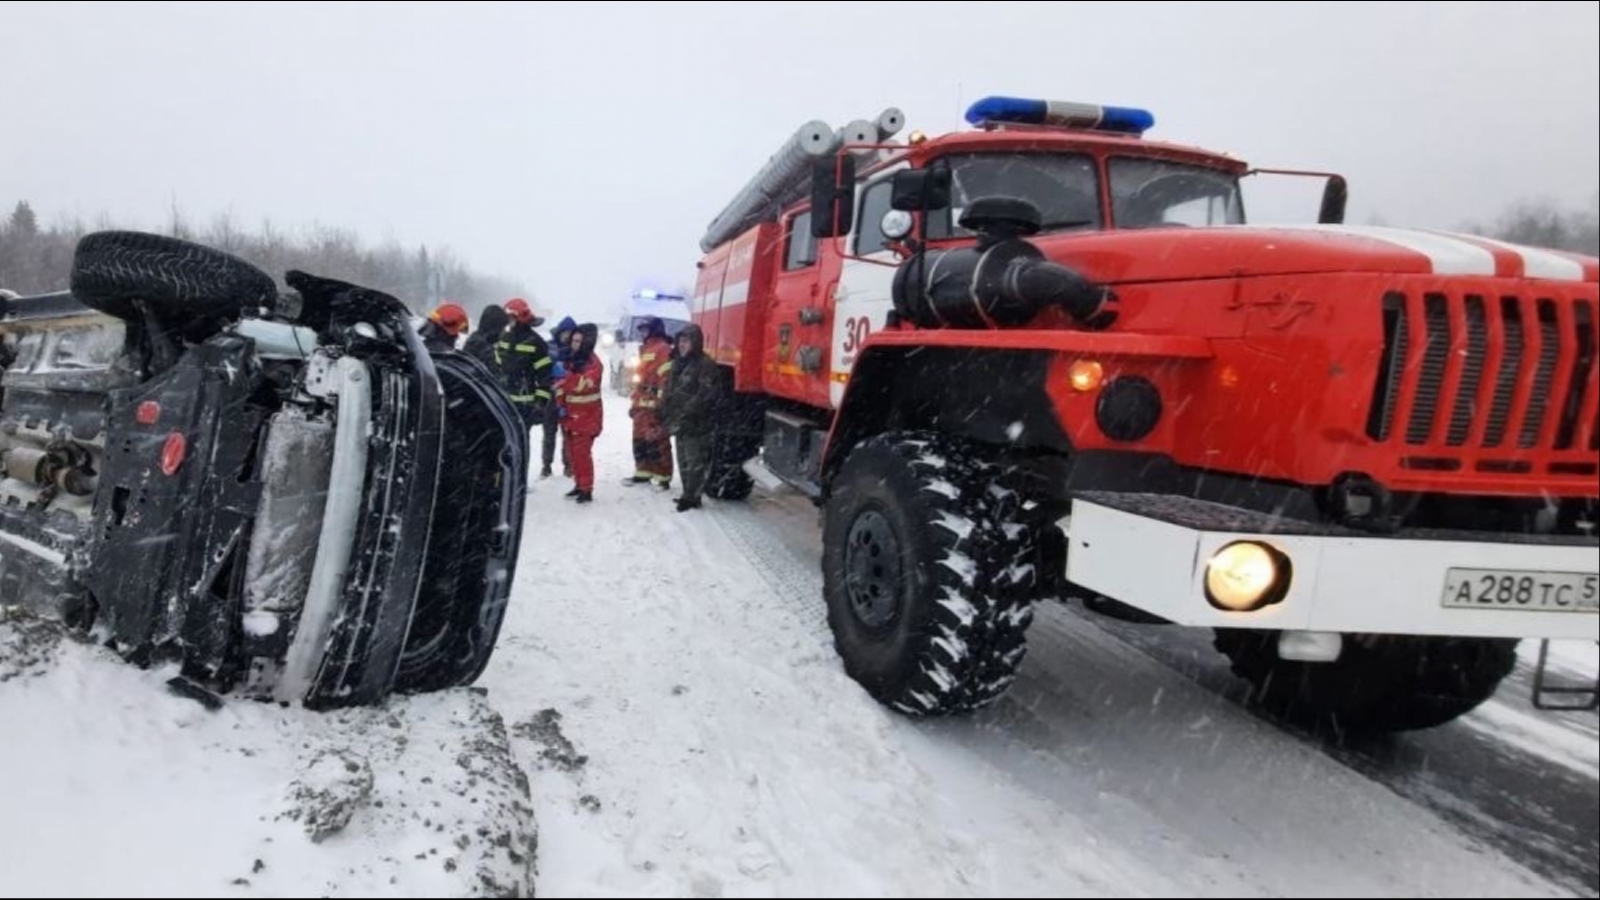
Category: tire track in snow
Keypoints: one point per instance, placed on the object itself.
(1085, 706)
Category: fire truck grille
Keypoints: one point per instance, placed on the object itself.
(1466, 373)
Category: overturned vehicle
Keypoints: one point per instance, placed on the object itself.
(285, 493)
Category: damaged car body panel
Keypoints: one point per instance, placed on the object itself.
(286, 494)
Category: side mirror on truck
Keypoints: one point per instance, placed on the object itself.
(833, 196)
(921, 190)
(1334, 197)
(1330, 208)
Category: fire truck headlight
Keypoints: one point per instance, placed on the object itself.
(608, 340)
(897, 224)
(1247, 576)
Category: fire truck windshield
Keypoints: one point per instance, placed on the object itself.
(1145, 193)
(1155, 193)
(1065, 188)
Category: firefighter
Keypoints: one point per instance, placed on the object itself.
(481, 343)
(561, 349)
(581, 411)
(443, 327)
(525, 363)
(652, 446)
(688, 410)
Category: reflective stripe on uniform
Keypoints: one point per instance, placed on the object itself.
(584, 398)
(520, 348)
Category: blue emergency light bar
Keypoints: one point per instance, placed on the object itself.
(1119, 119)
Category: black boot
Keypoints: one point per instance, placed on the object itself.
(585, 497)
(685, 504)
(574, 494)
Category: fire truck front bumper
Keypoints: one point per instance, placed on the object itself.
(1202, 564)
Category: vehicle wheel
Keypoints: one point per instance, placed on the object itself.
(116, 271)
(1015, 581)
(728, 479)
(737, 440)
(928, 597)
(1381, 682)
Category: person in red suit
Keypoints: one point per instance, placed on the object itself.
(652, 445)
(582, 414)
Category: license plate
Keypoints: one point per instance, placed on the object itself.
(1509, 589)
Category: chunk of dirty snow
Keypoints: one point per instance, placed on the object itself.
(329, 793)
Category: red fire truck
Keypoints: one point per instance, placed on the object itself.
(1049, 358)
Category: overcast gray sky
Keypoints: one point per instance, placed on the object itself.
(584, 147)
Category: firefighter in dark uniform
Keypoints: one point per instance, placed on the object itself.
(525, 363)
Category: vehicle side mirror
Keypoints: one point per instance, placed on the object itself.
(920, 190)
(1334, 198)
(833, 196)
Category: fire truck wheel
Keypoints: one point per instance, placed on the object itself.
(1381, 683)
(929, 598)
(116, 271)
(1015, 583)
(728, 480)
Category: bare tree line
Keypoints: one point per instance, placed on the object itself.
(1543, 223)
(35, 258)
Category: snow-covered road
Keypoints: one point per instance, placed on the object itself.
(669, 685)
(727, 753)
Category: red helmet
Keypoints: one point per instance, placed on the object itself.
(521, 312)
(452, 318)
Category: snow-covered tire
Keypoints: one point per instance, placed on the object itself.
(1381, 683)
(926, 600)
(1011, 573)
(115, 271)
